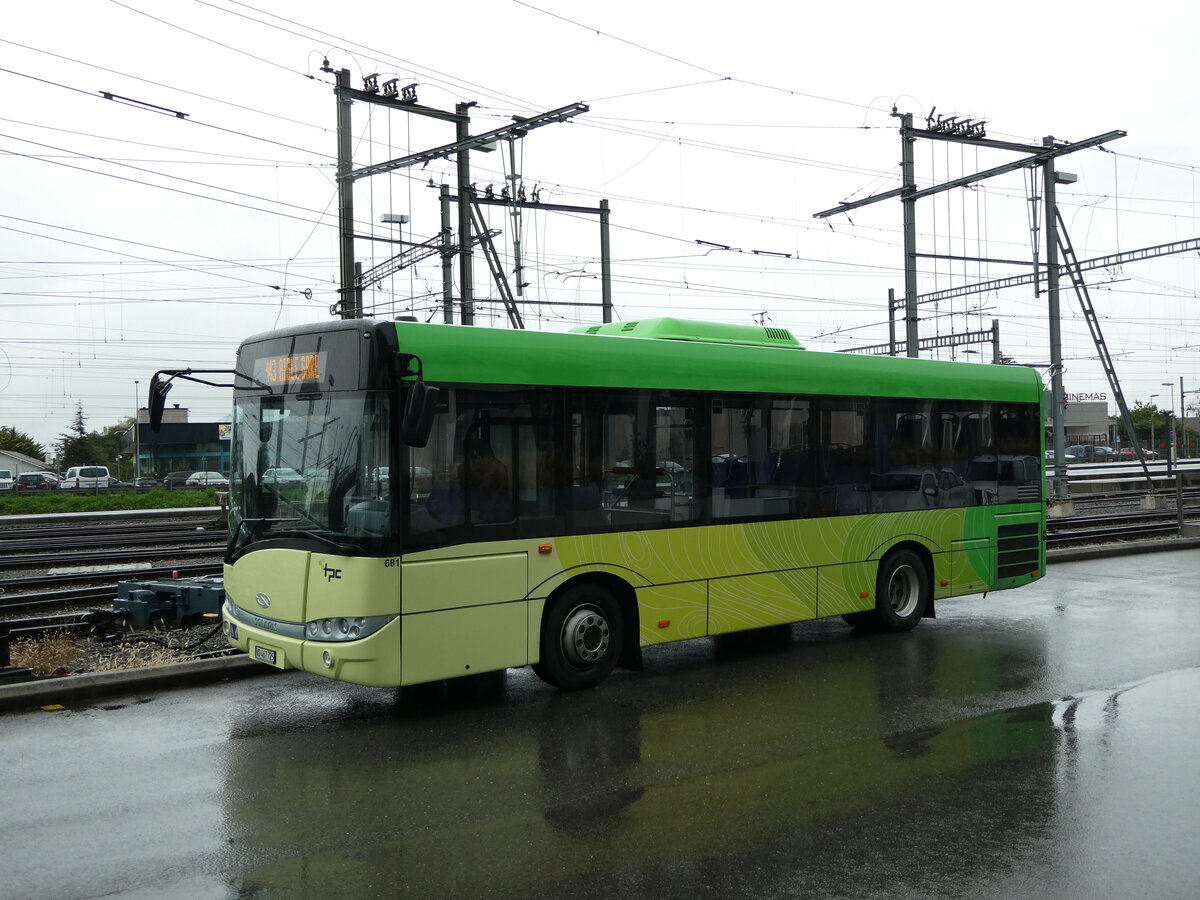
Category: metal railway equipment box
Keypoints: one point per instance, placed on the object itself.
(171, 601)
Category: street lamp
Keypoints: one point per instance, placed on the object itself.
(1153, 416)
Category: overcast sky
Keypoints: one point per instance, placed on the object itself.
(161, 229)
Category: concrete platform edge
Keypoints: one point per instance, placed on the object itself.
(1127, 548)
(94, 685)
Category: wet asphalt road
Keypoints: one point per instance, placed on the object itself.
(1040, 742)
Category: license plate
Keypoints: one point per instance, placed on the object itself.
(233, 631)
(262, 654)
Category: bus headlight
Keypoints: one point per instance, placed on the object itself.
(344, 628)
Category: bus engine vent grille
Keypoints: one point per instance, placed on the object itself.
(779, 334)
(1029, 493)
(1017, 550)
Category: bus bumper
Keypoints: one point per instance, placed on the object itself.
(373, 661)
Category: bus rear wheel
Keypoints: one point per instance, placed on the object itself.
(901, 594)
(582, 638)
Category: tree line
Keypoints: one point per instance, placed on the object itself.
(1149, 420)
(77, 446)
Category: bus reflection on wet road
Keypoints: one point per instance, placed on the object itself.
(1036, 741)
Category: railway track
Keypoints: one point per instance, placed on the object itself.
(60, 565)
(73, 538)
(1084, 536)
(47, 593)
(1098, 529)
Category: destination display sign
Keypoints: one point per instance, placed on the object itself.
(299, 367)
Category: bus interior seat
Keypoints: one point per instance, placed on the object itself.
(445, 504)
(767, 467)
(720, 471)
(738, 484)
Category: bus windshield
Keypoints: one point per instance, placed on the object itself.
(310, 467)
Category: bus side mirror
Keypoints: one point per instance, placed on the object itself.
(419, 407)
(157, 401)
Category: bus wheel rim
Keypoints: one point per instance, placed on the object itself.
(585, 636)
(904, 591)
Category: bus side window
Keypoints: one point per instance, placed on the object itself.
(844, 455)
(486, 482)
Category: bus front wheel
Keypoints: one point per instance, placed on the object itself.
(582, 638)
(901, 594)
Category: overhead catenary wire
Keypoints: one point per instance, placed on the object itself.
(859, 233)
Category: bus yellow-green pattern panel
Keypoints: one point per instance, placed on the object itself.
(465, 641)
(969, 567)
(673, 612)
(673, 555)
(846, 588)
(756, 601)
(464, 581)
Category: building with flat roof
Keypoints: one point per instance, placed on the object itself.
(178, 444)
(1087, 420)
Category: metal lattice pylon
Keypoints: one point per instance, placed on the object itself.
(1075, 272)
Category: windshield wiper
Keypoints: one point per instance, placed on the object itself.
(334, 544)
(339, 546)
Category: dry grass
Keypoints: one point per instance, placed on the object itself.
(78, 655)
(135, 656)
(47, 653)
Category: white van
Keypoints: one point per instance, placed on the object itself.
(84, 477)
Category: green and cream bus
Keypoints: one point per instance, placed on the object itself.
(464, 500)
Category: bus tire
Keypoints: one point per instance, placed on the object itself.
(901, 595)
(582, 637)
(901, 591)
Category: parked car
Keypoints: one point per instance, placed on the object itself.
(85, 478)
(6, 479)
(207, 479)
(1078, 451)
(40, 481)
(177, 479)
(281, 476)
(1128, 453)
(118, 483)
(1088, 453)
(146, 481)
(1068, 456)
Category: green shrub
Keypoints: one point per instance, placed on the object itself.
(17, 503)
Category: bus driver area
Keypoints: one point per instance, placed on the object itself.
(572, 498)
